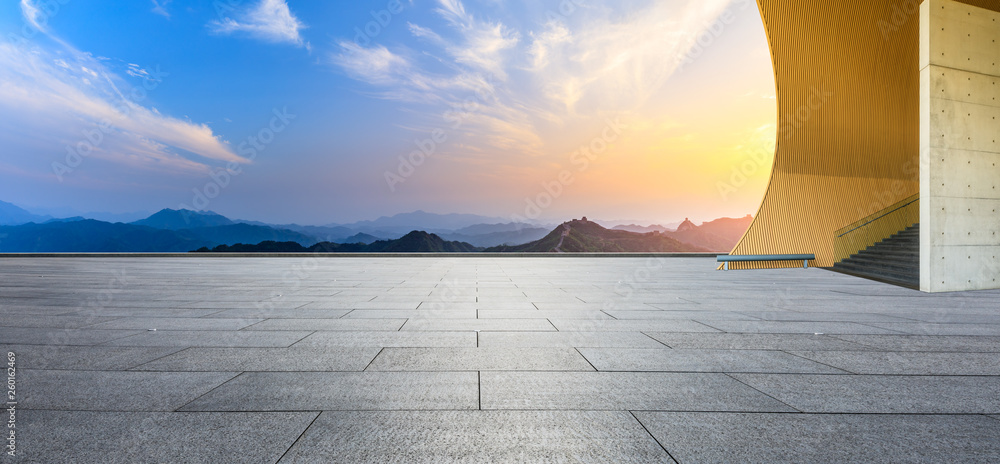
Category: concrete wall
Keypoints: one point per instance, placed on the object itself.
(959, 147)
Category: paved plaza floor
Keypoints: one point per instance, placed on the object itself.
(549, 359)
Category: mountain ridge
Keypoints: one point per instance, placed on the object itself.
(583, 236)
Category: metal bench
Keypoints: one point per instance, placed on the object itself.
(726, 259)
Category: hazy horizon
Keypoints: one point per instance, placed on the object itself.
(62, 213)
(313, 113)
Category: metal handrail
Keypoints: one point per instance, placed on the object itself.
(878, 215)
(876, 227)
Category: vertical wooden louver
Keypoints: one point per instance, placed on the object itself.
(847, 81)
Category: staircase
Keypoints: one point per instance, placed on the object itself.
(895, 260)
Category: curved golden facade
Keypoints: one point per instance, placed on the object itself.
(848, 95)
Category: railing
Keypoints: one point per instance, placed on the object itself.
(875, 227)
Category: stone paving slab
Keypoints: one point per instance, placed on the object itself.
(327, 324)
(476, 437)
(568, 339)
(278, 313)
(946, 316)
(923, 328)
(263, 360)
(211, 338)
(621, 391)
(574, 304)
(108, 358)
(176, 323)
(671, 360)
(531, 325)
(128, 311)
(504, 304)
(907, 362)
(329, 391)
(681, 314)
(480, 359)
(114, 390)
(52, 322)
(792, 327)
(823, 316)
(881, 394)
(841, 438)
(739, 341)
(413, 339)
(52, 337)
(544, 314)
(952, 343)
(411, 314)
(133, 437)
(668, 325)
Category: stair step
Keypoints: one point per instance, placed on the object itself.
(864, 271)
(876, 258)
(895, 259)
(886, 267)
(876, 263)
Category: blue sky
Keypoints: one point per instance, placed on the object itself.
(318, 112)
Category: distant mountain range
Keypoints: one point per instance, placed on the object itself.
(416, 241)
(583, 236)
(718, 235)
(11, 214)
(422, 220)
(181, 231)
(643, 229)
(576, 236)
(170, 219)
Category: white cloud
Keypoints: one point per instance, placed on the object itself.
(74, 99)
(454, 12)
(425, 33)
(269, 20)
(376, 64)
(526, 80)
(160, 7)
(32, 14)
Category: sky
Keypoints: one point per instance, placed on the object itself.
(331, 112)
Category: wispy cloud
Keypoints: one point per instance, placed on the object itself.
(376, 64)
(73, 97)
(160, 7)
(530, 78)
(32, 14)
(425, 33)
(269, 20)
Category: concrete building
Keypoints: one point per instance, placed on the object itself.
(887, 125)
